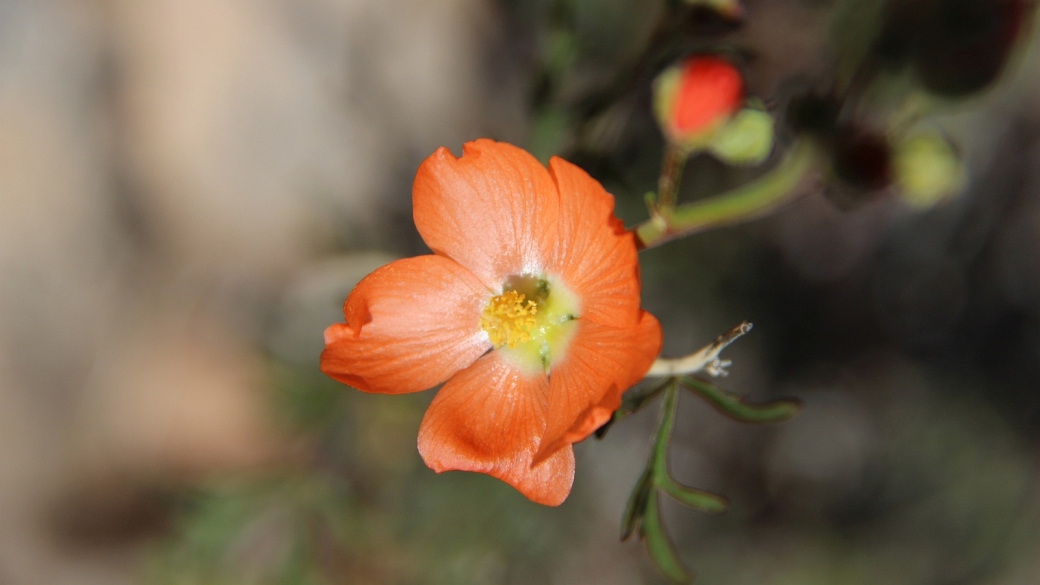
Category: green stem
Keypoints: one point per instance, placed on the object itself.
(747, 202)
(671, 175)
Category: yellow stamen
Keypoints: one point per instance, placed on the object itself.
(508, 320)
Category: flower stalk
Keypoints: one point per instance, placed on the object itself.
(771, 191)
(672, 166)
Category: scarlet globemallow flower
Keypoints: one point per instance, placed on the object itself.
(528, 313)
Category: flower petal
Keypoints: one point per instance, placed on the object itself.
(593, 254)
(410, 325)
(709, 90)
(489, 419)
(585, 389)
(494, 210)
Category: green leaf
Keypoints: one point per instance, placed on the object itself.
(692, 497)
(636, 507)
(659, 456)
(659, 546)
(734, 406)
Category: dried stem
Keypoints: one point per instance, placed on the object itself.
(704, 360)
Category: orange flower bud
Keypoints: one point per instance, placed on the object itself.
(694, 98)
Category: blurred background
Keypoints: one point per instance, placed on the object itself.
(189, 189)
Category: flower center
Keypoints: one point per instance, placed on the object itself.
(508, 320)
(531, 322)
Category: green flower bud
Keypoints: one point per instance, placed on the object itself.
(927, 170)
(747, 139)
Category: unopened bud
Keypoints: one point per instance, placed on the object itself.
(927, 170)
(694, 99)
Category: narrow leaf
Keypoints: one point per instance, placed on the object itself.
(659, 456)
(659, 546)
(734, 406)
(693, 497)
(636, 507)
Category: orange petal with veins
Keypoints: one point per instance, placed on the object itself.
(410, 325)
(593, 254)
(489, 418)
(585, 388)
(494, 210)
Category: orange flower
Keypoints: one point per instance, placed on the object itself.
(696, 97)
(528, 313)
